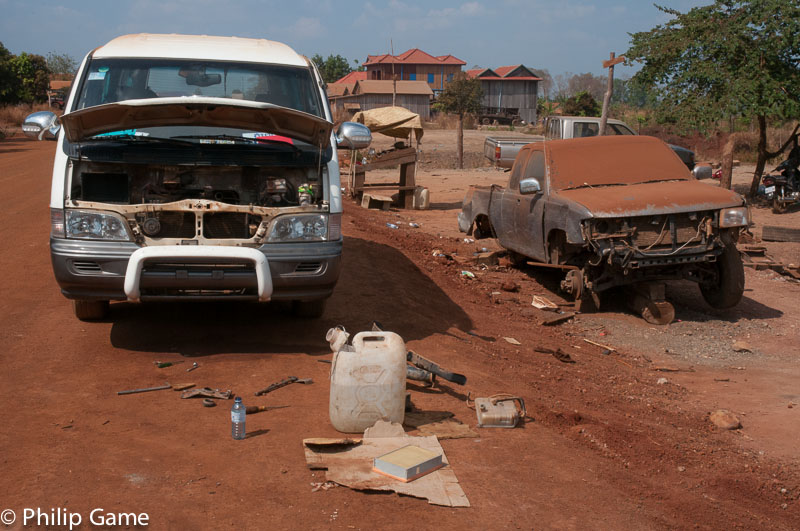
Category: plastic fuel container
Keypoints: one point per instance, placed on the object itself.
(368, 383)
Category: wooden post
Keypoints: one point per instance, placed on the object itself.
(612, 60)
(727, 163)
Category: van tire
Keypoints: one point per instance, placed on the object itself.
(729, 287)
(309, 309)
(90, 310)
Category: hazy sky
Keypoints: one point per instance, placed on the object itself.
(560, 35)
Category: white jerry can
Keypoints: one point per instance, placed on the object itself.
(368, 383)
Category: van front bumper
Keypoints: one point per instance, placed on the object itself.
(94, 270)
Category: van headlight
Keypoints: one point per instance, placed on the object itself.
(93, 225)
(734, 217)
(299, 228)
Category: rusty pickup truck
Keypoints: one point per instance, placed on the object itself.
(615, 211)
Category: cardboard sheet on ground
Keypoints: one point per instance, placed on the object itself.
(439, 423)
(397, 122)
(350, 464)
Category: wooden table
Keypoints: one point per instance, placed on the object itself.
(406, 158)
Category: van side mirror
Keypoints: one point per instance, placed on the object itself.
(41, 125)
(352, 135)
(529, 186)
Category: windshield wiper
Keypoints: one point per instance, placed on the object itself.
(233, 138)
(138, 138)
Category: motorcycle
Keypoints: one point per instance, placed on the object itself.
(784, 189)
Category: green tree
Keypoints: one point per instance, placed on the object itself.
(730, 58)
(332, 68)
(461, 96)
(8, 80)
(582, 104)
(61, 63)
(32, 75)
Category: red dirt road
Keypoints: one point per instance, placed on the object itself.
(607, 448)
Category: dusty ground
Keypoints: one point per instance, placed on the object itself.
(607, 447)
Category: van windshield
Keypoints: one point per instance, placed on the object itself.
(115, 80)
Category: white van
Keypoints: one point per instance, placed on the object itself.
(196, 167)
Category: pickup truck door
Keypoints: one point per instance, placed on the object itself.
(509, 203)
(529, 214)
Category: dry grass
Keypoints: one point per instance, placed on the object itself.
(450, 121)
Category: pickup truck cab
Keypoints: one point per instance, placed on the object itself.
(195, 167)
(614, 211)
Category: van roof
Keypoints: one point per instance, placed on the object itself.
(200, 47)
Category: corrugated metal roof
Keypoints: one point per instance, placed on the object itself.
(502, 73)
(339, 89)
(373, 86)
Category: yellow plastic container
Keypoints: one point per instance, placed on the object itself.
(368, 383)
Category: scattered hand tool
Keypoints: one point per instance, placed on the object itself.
(284, 383)
(144, 390)
(207, 392)
(193, 367)
(258, 409)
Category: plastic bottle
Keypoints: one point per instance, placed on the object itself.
(238, 419)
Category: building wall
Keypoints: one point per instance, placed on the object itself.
(418, 103)
(441, 73)
(511, 95)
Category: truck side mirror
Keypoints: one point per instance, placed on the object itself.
(41, 125)
(352, 135)
(529, 186)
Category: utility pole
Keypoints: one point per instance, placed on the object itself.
(612, 60)
(394, 77)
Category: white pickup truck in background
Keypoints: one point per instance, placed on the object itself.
(503, 151)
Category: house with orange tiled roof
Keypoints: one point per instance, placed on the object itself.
(351, 78)
(509, 93)
(414, 65)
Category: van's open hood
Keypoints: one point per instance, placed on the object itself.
(197, 111)
(648, 199)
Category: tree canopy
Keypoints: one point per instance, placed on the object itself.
(582, 104)
(332, 68)
(61, 63)
(730, 58)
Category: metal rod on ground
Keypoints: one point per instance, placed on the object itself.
(144, 390)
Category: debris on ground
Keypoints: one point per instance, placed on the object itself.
(662, 381)
(350, 465)
(512, 341)
(207, 392)
(500, 411)
(144, 390)
(559, 318)
(741, 346)
(725, 420)
(543, 303)
(558, 354)
(283, 383)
